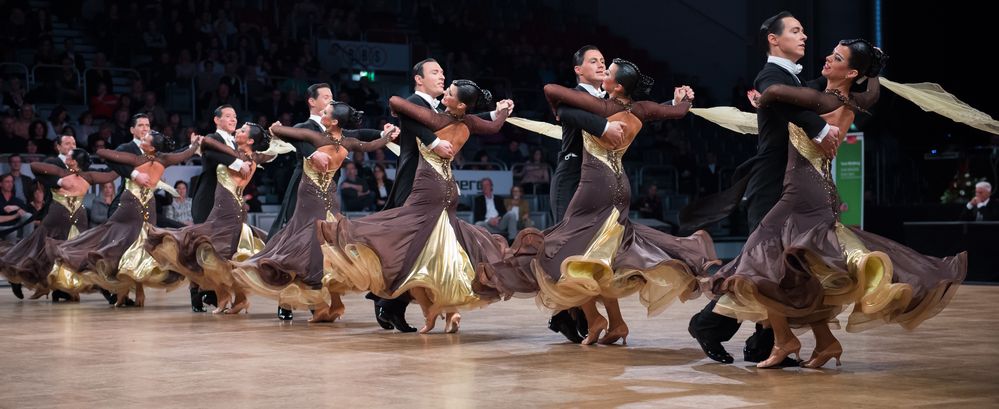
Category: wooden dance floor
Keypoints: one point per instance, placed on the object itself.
(88, 355)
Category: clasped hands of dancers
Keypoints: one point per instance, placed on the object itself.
(799, 268)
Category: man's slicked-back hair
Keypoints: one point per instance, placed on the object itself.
(418, 68)
(774, 25)
(577, 58)
(313, 90)
(132, 121)
(218, 111)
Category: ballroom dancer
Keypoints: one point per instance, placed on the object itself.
(595, 252)
(202, 252)
(590, 70)
(318, 97)
(290, 267)
(802, 267)
(760, 178)
(112, 255)
(205, 185)
(428, 80)
(422, 247)
(30, 261)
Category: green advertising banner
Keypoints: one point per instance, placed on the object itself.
(848, 172)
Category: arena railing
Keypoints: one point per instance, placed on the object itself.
(59, 67)
(112, 70)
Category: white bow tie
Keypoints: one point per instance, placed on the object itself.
(601, 94)
(434, 103)
(797, 69)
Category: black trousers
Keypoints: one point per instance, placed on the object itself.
(715, 327)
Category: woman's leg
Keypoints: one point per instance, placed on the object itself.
(826, 346)
(597, 322)
(242, 303)
(618, 328)
(429, 312)
(785, 343)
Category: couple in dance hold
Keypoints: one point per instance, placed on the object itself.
(800, 267)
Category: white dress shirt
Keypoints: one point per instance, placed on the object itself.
(491, 211)
(230, 140)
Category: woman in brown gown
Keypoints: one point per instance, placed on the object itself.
(802, 267)
(202, 252)
(290, 269)
(595, 253)
(112, 256)
(422, 247)
(30, 261)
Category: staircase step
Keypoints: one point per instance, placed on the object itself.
(58, 34)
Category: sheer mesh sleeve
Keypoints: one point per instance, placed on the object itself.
(98, 178)
(557, 95)
(651, 111)
(808, 98)
(477, 125)
(300, 134)
(214, 145)
(425, 116)
(48, 169)
(865, 100)
(170, 159)
(124, 158)
(357, 145)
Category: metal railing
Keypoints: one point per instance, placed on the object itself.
(23, 68)
(79, 78)
(496, 165)
(112, 70)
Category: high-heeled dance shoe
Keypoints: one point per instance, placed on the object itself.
(614, 334)
(284, 314)
(593, 333)
(819, 358)
(781, 352)
(39, 294)
(453, 322)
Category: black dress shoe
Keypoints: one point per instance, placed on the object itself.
(582, 327)
(16, 288)
(397, 319)
(112, 299)
(381, 319)
(285, 314)
(712, 349)
(60, 295)
(197, 302)
(210, 298)
(563, 323)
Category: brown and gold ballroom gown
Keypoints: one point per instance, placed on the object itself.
(113, 255)
(595, 250)
(806, 265)
(30, 261)
(202, 252)
(422, 243)
(289, 268)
